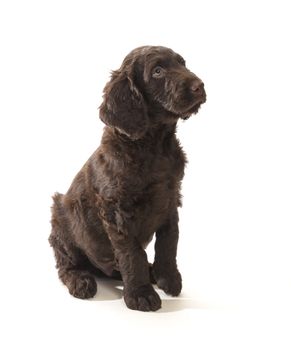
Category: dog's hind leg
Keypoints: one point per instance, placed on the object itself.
(73, 266)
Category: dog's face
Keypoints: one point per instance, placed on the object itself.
(164, 78)
(152, 81)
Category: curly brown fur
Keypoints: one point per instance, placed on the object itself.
(129, 189)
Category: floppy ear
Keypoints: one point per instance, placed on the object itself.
(123, 106)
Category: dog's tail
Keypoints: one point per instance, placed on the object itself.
(57, 214)
(57, 198)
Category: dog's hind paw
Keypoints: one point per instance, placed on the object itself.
(81, 284)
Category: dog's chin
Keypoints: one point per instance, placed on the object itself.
(192, 110)
(184, 113)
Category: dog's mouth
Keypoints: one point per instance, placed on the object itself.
(194, 107)
(185, 106)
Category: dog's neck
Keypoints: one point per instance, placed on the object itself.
(161, 130)
(157, 133)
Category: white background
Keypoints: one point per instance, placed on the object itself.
(234, 249)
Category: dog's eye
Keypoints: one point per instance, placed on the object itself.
(157, 71)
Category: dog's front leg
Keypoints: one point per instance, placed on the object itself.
(165, 269)
(139, 294)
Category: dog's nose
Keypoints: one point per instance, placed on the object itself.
(197, 86)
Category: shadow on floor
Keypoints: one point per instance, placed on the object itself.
(180, 303)
(110, 289)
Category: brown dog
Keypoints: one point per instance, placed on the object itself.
(129, 188)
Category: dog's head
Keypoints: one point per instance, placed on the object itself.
(152, 86)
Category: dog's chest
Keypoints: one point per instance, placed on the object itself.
(162, 164)
(160, 177)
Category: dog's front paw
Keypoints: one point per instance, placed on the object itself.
(143, 298)
(170, 282)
